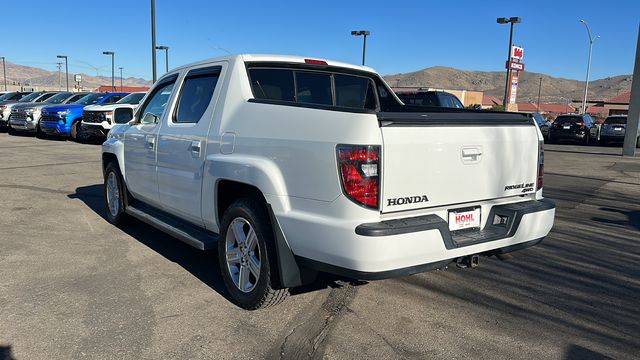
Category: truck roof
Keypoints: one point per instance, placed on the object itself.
(277, 58)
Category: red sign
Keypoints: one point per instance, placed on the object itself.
(514, 65)
(517, 52)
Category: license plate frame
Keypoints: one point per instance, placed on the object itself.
(474, 225)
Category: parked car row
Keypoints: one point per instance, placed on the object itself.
(583, 129)
(74, 115)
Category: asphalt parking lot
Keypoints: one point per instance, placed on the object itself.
(74, 287)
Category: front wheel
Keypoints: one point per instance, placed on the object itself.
(246, 255)
(114, 194)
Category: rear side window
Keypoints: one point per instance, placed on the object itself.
(272, 84)
(196, 93)
(617, 120)
(567, 119)
(313, 87)
(355, 92)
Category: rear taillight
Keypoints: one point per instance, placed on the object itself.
(359, 167)
(582, 125)
(540, 164)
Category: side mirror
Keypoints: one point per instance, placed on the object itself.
(149, 118)
(122, 116)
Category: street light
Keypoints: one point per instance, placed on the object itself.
(113, 69)
(511, 20)
(153, 39)
(4, 70)
(121, 87)
(586, 84)
(66, 67)
(363, 33)
(166, 55)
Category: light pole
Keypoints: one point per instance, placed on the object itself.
(121, 87)
(166, 56)
(113, 68)
(586, 84)
(364, 34)
(4, 71)
(66, 67)
(153, 39)
(59, 64)
(511, 20)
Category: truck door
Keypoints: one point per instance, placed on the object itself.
(182, 143)
(141, 141)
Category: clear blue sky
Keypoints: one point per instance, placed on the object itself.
(406, 35)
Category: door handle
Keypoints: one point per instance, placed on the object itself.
(151, 142)
(471, 154)
(195, 148)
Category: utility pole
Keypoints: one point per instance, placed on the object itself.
(121, 87)
(539, 90)
(59, 64)
(153, 39)
(586, 84)
(631, 133)
(4, 71)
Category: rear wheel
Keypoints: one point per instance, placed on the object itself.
(246, 255)
(638, 142)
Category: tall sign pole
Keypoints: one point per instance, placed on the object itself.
(632, 134)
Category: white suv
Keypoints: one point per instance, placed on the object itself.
(97, 120)
(290, 166)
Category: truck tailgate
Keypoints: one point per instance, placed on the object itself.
(438, 159)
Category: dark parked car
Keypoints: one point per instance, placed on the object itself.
(543, 124)
(430, 98)
(613, 129)
(574, 127)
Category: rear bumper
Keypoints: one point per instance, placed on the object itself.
(568, 136)
(612, 138)
(410, 245)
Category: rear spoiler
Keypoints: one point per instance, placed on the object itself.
(416, 116)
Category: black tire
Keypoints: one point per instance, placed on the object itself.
(586, 139)
(266, 291)
(74, 130)
(638, 142)
(119, 216)
(39, 133)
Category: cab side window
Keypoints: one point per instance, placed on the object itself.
(151, 111)
(195, 96)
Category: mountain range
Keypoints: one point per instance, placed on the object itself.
(553, 90)
(48, 80)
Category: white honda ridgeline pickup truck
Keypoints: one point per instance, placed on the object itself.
(292, 166)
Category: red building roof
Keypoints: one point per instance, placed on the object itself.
(546, 108)
(489, 100)
(597, 110)
(622, 98)
(130, 89)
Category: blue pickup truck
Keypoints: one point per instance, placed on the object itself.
(64, 120)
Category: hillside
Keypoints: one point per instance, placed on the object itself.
(492, 83)
(48, 80)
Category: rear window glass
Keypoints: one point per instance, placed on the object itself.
(272, 84)
(567, 119)
(423, 99)
(313, 88)
(616, 120)
(354, 92)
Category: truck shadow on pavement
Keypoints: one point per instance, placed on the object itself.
(201, 264)
(5, 353)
